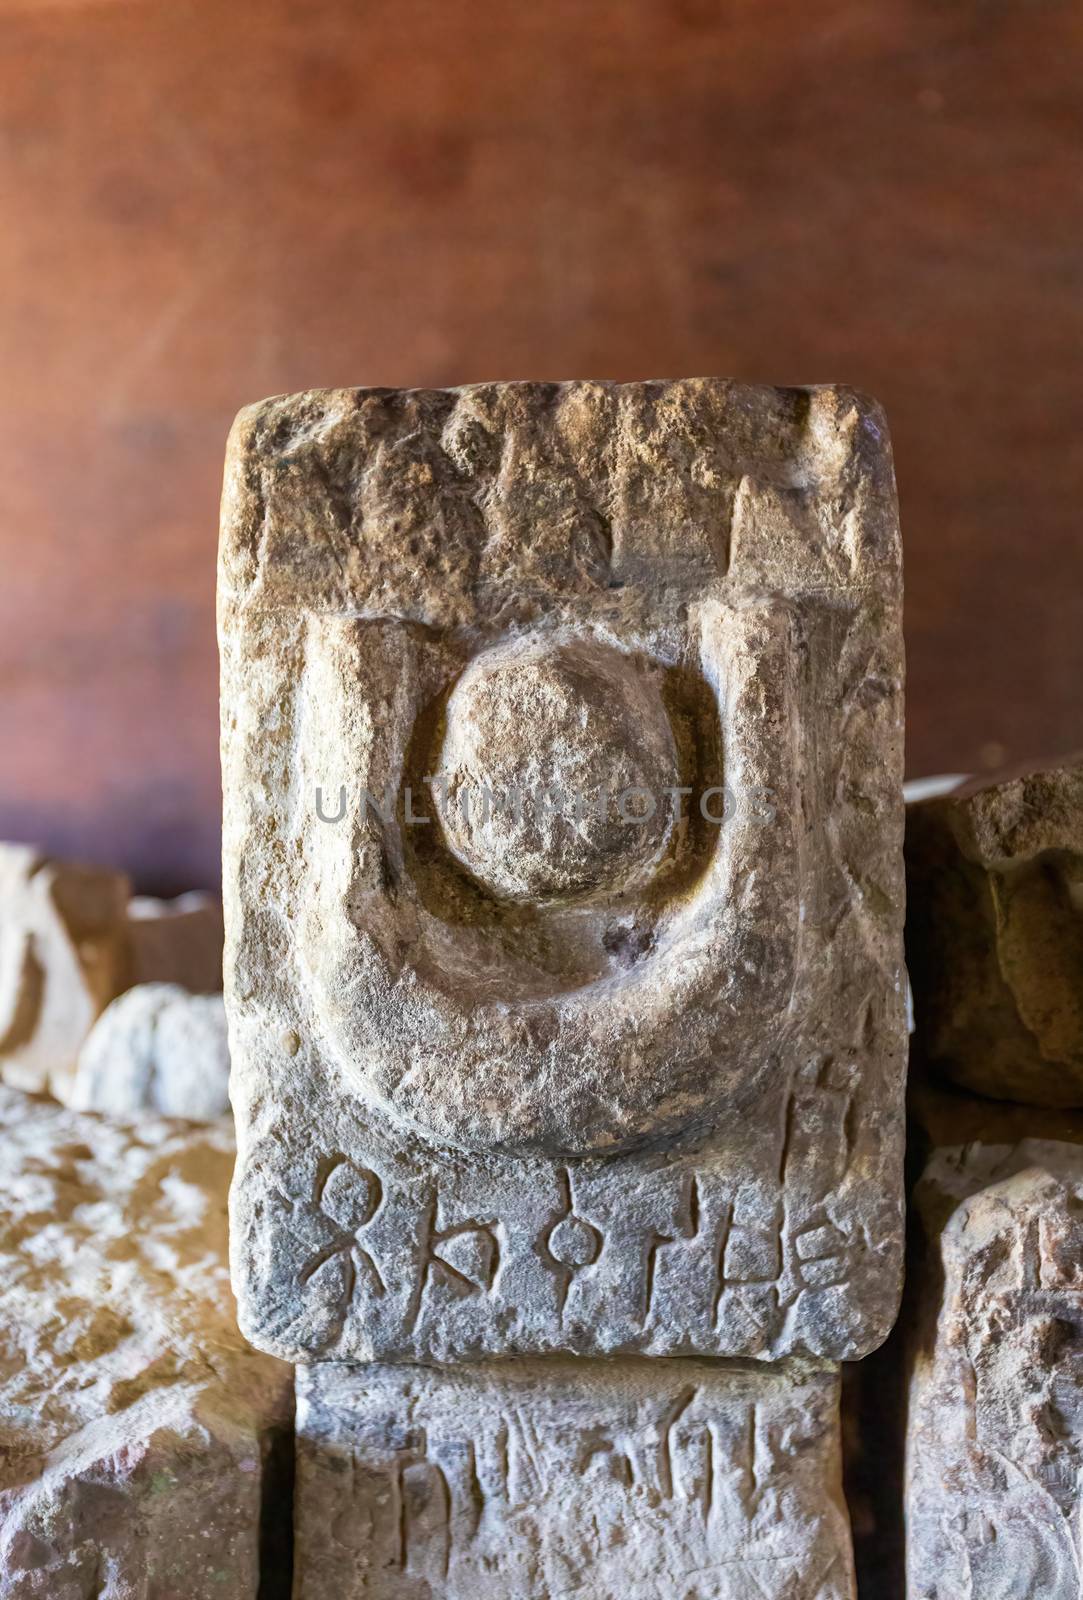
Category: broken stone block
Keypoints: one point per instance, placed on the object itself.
(62, 959)
(994, 1469)
(610, 1480)
(995, 934)
(562, 742)
(156, 1048)
(875, 1390)
(176, 941)
(142, 1439)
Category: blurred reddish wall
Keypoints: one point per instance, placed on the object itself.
(206, 203)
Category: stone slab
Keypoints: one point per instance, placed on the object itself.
(599, 1480)
(995, 933)
(63, 956)
(521, 1088)
(994, 1469)
(144, 1447)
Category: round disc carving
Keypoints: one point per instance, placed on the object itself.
(554, 771)
(447, 1021)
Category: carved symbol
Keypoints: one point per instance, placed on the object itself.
(438, 1502)
(720, 1265)
(465, 1257)
(568, 1243)
(620, 1458)
(694, 1461)
(669, 1422)
(751, 1473)
(823, 1255)
(522, 1458)
(349, 1197)
(687, 1227)
(423, 1498)
(648, 1458)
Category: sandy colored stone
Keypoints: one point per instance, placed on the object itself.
(139, 1435)
(994, 1490)
(603, 1480)
(176, 941)
(995, 934)
(943, 1118)
(584, 1083)
(63, 955)
(156, 1048)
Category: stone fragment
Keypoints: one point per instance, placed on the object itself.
(603, 1480)
(995, 934)
(156, 1048)
(994, 1493)
(63, 957)
(875, 1390)
(141, 1439)
(562, 741)
(176, 941)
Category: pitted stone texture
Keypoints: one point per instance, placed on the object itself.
(156, 1048)
(995, 934)
(592, 1087)
(584, 805)
(63, 956)
(176, 941)
(994, 1465)
(606, 1481)
(139, 1434)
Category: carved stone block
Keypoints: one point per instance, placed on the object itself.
(995, 934)
(63, 956)
(994, 1464)
(562, 742)
(156, 1048)
(606, 1481)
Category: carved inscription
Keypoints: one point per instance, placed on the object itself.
(533, 1478)
(687, 1228)
(561, 735)
(573, 1242)
(568, 1243)
(995, 1471)
(349, 1197)
(463, 1255)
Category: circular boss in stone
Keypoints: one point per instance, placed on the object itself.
(437, 1019)
(554, 767)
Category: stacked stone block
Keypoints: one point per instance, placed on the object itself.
(562, 738)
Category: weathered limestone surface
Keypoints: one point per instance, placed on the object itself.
(139, 1435)
(995, 939)
(176, 941)
(63, 954)
(603, 1480)
(608, 1080)
(944, 1121)
(994, 1499)
(158, 1048)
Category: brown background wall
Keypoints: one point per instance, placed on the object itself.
(205, 203)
